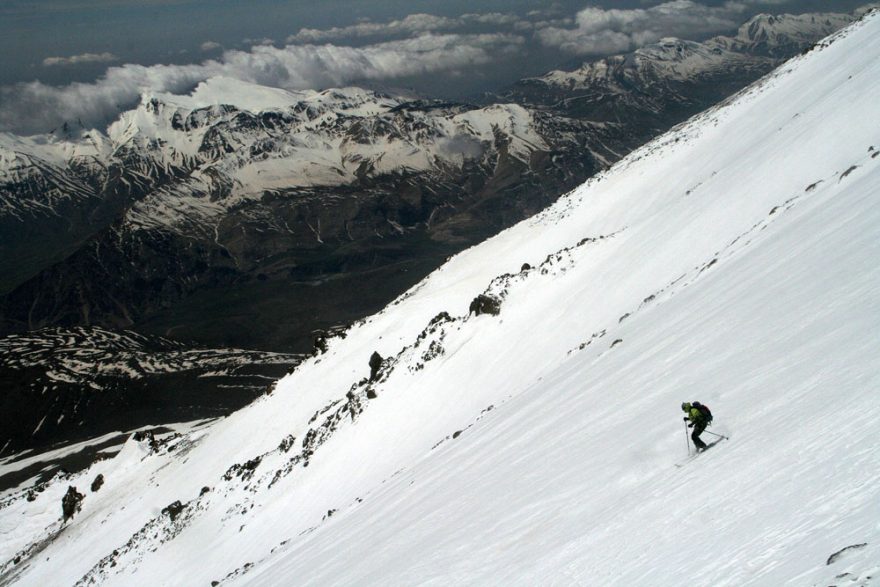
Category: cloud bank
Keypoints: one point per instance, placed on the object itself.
(35, 107)
(412, 24)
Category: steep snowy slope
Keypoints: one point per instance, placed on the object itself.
(731, 261)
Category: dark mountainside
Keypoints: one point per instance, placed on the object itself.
(79, 383)
(143, 236)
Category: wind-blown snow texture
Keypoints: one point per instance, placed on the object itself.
(731, 261)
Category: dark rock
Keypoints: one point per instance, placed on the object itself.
(71, 503)
(441, 317)
(456, 434)
(616, 342)
(245, 470)
(97, 483)
(435, 349)
(320, 345)
(848, 171)
(204, 490)
(173, 510)
(371, 393)
(148, 436)
(375, 365)
(287, 443)
(525, 267)
(485, 304)
(354, 405)
(833, 558)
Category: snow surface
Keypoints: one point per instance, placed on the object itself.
(733, 260)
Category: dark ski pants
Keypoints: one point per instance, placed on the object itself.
(695, 435)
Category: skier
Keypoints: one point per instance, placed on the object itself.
(698, 421)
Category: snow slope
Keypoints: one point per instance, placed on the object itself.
(733, 261)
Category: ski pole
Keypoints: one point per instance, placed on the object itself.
(718, 435)
(686, 441)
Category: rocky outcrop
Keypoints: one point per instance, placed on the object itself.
(375, 365)
(71, 503)
(485, 304)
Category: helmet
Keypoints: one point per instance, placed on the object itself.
(685, 407)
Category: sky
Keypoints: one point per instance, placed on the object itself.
(89, 59)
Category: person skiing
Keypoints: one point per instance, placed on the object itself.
(698, 421)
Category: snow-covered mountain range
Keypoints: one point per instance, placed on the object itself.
(231, 141)
(676, 78)
(521, 424)
(760, 42)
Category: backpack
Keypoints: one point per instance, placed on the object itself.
(705, 411)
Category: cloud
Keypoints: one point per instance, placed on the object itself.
(412, 24)
(78, 59)
(36, 107)
(210, 46)
(495, 18)
(466, 146)
(259, 41)
(599, 31)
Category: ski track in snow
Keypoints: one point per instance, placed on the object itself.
(732, 260)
